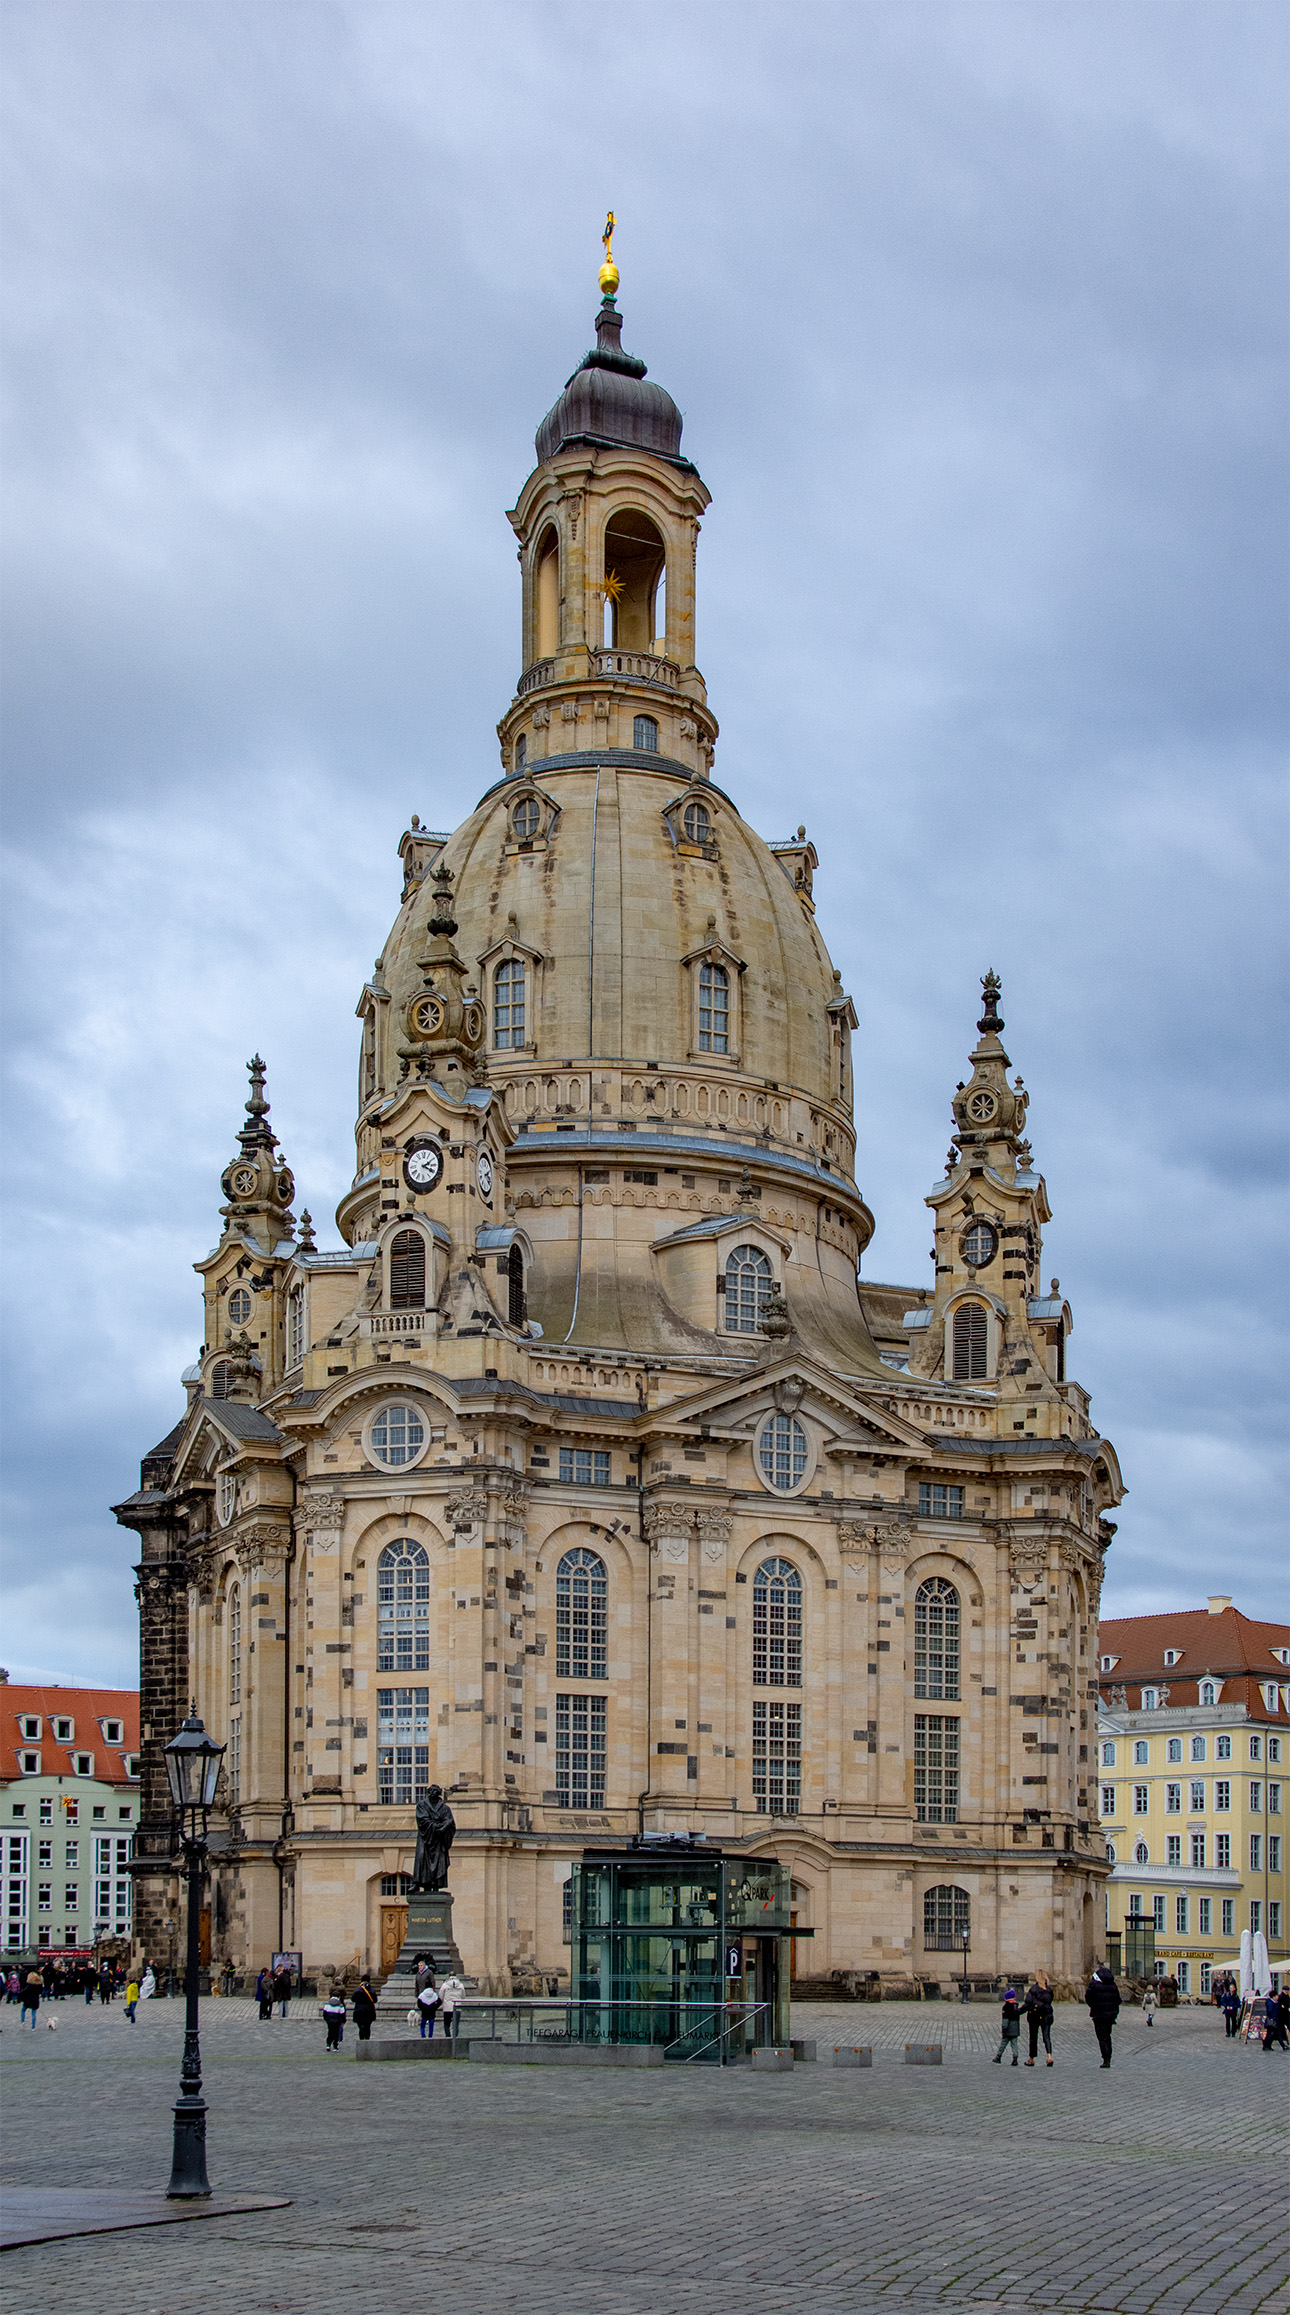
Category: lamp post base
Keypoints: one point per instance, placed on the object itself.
(188, 2166)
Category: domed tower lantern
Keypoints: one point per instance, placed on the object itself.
(608, 525)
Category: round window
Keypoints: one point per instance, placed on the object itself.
(525, 818)
(698, 827)
(781, 1451)
(239, 1306)
(982, 1107)
(980, 1245)
(397, 1436)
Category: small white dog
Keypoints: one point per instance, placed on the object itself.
(52, 2024)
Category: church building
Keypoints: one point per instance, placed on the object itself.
(589, 1478)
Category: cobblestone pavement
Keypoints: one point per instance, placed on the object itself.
(1151, 2190)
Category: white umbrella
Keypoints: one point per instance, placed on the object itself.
(1262, 1973)
(1246, 1971)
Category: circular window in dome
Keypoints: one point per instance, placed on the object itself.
(1140, 1853)
(525, 818)
(980, 1245)
(239, 1306)
(397, 1436)
(698, 826)
(782, 1453)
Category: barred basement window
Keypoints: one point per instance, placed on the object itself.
(777, 1625)
(402, 1745)
(396, 1884)
(235, 1644)
(947, 1916)
(581, 1617)
(403, 1608)
(970, 1341)
(585, 1466)
(580, 1750)
(777, 1759)
(714, 1009)
(508, 1005)
(408, 1271)
(748, 1286)
(936, 1769)
(936, 1639)
(937, 1502)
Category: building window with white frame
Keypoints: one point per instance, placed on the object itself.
(1108, 1756)
(1173, 1750)
(1184, 1977)
(1274, 1918)
(1256, 1852)
(1173, 1800)
(714, 1009)
(296, 1326)
(1173, 1849)
(235, 1643)
(14, 1850)
(1208, 1692)
(1141, 1854)
(1198, 1748)
(1256, 1915)
(1223, 1852)
(581, 1750)
(1256, 1797)
(112, 1884)
(1108, 1801)
(402, 1745)
(748, 1285)
(1198, 1852)
(581, 1617)
(936, 1640)
(777, 1625)
(233, 1762)
(1150, 1700)
(1181, 1916)
(403, 1608)
(777, 1759)
(1158, 1916)
(1205, 1916)
(1222, 1748)
(1197, 1797)
(509, 1005)
(1229, 1917)
(1141, 1799)
(1141, 1753)
(936, 1768)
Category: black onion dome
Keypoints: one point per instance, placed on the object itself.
(608, 400)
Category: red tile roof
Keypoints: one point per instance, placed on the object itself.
(1228, 1646)
(86, 1708)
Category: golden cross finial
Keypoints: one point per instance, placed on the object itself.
(609, 271)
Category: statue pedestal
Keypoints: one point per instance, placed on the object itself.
(430, 1932)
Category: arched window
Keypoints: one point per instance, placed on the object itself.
(970, 1342)
(295, 1326)
(526, 818)
(516, 1299)
(947, 1918)
(547, 622)
(581, 1617)
(748, 1284)
(936, 1639)
(521, 756)
(219, 1379)
(508, 1004)
(645, 734)
(698, 826)
(403, 1608)
(777, 1625)
(782, 1450)
(235, 1644)
(714, 1009)
(408, 1271)
(1208, 1692)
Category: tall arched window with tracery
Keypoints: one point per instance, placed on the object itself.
(714, 1009)
(936, 1639)
(777, 1625)
(971, 1343)
(403, 1608)
(748, 1285)
(581, 1617)
(233, 1765)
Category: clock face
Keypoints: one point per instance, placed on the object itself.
(422, 1167)
(484, 1170)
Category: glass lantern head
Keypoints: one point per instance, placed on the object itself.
(192, 1765)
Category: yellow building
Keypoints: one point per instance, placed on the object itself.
(1194, 1741)
(586, 1477)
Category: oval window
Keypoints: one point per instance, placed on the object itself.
(980, 1245)
(698, 827)
(526, 818)
(239, 1306)
(781, 1451)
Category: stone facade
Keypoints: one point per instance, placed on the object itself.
(585, 1479)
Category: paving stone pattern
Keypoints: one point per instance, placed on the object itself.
(1151, 2190)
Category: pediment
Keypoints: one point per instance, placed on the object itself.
(843, 1410)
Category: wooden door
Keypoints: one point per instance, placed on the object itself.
(394, 1928)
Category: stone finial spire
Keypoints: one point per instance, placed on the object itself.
(257, 1134)
(991, 991)
(258, 1186)
(989, 1114)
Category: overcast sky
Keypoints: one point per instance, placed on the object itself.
(975, 315)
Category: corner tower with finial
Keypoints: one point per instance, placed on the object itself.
(608, 526)
(988, 1321)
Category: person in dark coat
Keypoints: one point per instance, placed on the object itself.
(364, 2009)
(1231, 2007)
(1276, 2015)
(1038, 2011)
(1103, 1998)
(333, 2011)
(1009, 2027)
(264, 1993)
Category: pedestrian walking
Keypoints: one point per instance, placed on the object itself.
(1010, 2035)
(363, 2006)
(451, 1995)
(1150, 2004)
(428, 2001)
(1231, 2007)
(264, 1993)
(333, 2010)
(1038, 2009)
(1103, 1999)
(13, 1989)
(33, 1985)
(1276, 2017)
(131, 1997)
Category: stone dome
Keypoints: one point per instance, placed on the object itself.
(609, 400)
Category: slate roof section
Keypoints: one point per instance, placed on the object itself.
(244, 1422)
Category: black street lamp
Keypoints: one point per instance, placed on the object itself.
(192, 1764)
(966, 1936)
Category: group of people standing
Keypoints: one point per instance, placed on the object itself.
(57, 1980)
(1239, 2014)
(1104, 2004)
(1036, 2006)
(273, 1985)
(433, 2000)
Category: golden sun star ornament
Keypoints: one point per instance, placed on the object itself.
(611, 587)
